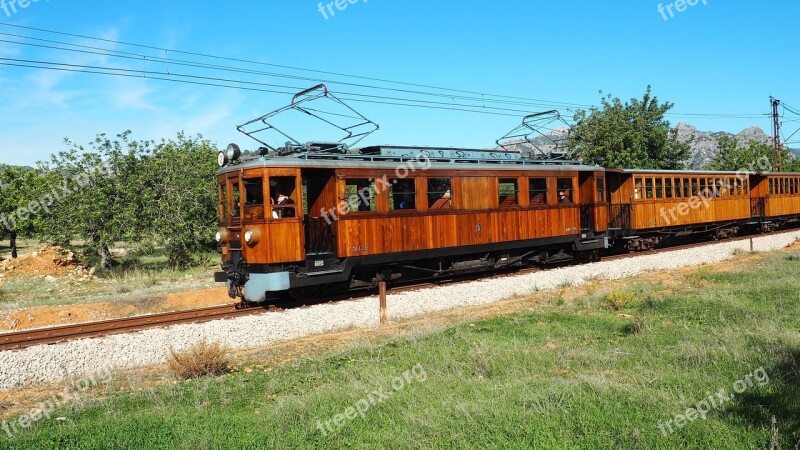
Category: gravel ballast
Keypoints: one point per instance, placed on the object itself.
(53, 363)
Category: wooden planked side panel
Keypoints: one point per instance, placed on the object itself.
(281, 242)
(679, 212)
(600, 218)
(477, 193)
(782, 205)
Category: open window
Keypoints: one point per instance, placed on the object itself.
(254, 198)
(361, 195)
(638, 191)
(224, 206)
(538, 191)
(236, 202)
(601, 190)
(440, 193)
(283, 197)
(402, 194)
(508, 190)
(565, 190)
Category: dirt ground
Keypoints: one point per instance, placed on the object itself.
(48, 316)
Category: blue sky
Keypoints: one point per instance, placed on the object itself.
(714, 59)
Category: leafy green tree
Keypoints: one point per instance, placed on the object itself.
(753, 156)
(99, 198)
(18, 209)
(634, 135)
(181, 197)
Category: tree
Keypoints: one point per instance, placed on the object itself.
(99, 197)
(628, 135)
(753, 156)
(18, 206)
(181, 196)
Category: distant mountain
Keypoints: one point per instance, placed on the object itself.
(704, 147)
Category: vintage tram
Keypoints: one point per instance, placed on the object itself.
(316, 218)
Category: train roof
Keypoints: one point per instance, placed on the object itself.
(388, 157)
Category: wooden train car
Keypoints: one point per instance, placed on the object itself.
(649, 207)
(776, 197)
(324, 219)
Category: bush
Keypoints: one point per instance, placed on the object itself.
(201, 360)
(619, 299)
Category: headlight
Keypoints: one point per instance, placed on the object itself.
(233, 152)
(222, 159)
(219, 237)
(252, 236)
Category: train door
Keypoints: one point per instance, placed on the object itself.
(586, 191)
(620, 199)
(759, 189)
(319, 189)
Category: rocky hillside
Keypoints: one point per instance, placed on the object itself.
(704, 146)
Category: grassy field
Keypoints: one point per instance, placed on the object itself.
(598, 370)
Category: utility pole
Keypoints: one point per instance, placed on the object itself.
(776, 130)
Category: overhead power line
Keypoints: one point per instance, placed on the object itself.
(480, 98)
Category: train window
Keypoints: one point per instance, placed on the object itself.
(254, 198)
(678, 188)
(687, 187)
(695, 188)
(361, 195)
(724, 187)
(648, 188)
(771, 185)
(668, 188)
(746, 186)
(601, 190)
(537, 187)
(283, 197)
(639, 186)
(565, 191)
(235, 198)
(659, 187)
(508, 190)
(223, 201)
(402, 194)
(440, 193)
(254, 191)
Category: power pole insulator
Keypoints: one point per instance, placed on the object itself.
(776, 130)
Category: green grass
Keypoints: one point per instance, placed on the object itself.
(562, 374)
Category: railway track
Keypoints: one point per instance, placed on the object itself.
(54, 335)
(43, 336)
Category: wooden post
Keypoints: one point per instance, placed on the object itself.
(382, 289)
(751, 245)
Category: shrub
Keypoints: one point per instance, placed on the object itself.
(198, 361)
(618, 299)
